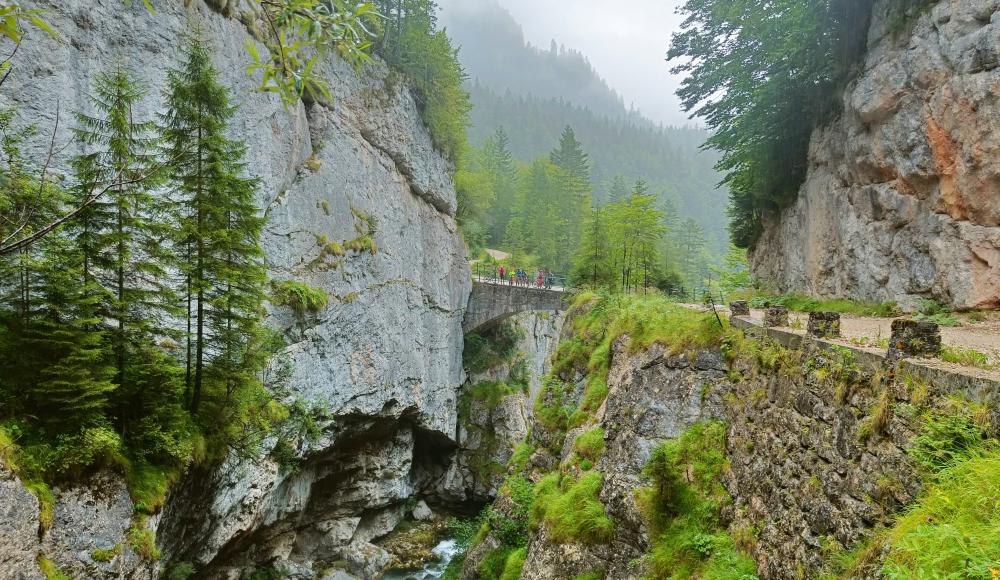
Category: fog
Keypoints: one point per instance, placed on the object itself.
(626, 43)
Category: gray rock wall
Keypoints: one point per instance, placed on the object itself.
(384, 357)
(901, 200)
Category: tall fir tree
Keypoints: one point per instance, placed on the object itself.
(498, 163)
(591, 265)
(575, 188)
(122, 234)
(222, 262)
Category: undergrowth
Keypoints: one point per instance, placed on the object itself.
(682, 507)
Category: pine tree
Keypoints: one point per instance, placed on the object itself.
(498, 163)
(592, 265)
(121, 235)
(221, 258)
(575, 188)
(65, 371)
(618, 190)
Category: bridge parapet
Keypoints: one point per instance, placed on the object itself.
(492, 303)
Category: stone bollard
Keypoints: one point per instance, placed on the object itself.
(913, 338)
(740, 308)
(824, 324)
(776, 316)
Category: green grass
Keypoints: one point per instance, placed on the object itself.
(590, 444)
(804, 303)
(682, 507)
(50, 570)
(966, 357)
(946, 439)
(143, 541)
(570, 509)
(514, 564)
(105, 554)
(953, 531)
(933, 311)
(148, 485)
(522, 455)
(299, 297)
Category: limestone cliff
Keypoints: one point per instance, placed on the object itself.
(901, 199)
(384, 358)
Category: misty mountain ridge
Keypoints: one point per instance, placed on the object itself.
(533, 94)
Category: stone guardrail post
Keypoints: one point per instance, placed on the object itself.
(912, 338)
(824, 324)
(776, 316)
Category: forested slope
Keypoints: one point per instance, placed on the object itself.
(533, 94)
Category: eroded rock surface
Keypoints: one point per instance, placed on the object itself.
(901, 200)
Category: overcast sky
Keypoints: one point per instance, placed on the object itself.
(626, 42)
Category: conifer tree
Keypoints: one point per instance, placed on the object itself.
(591, 265)
(498, 163)
(574, 181)
(121, 235)
(221, 260)
(64, 368)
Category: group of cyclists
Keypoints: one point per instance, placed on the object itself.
(520, 277)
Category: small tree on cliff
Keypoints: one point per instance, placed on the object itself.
(219, 231)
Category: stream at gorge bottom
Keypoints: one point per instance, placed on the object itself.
(444, 553)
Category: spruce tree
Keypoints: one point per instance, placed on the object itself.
(121, 235)
(221, 259)
(64, 367)
(498, 163)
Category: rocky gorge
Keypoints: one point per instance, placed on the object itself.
(900, 199)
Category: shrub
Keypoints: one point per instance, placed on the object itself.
(682, 507)
(933, 311)
(179, 571)
(299, 297)
(484, 351)
(571, 510)
(945, 440)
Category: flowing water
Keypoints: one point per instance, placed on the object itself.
(444, 552)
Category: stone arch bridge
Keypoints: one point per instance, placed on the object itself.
(491, 303)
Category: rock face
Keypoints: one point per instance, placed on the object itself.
(358, 203)
(901, 199)
(489, 430)
(88, 519)
(652, 396)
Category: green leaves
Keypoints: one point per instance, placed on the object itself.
(298, 33)
(764, 74)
